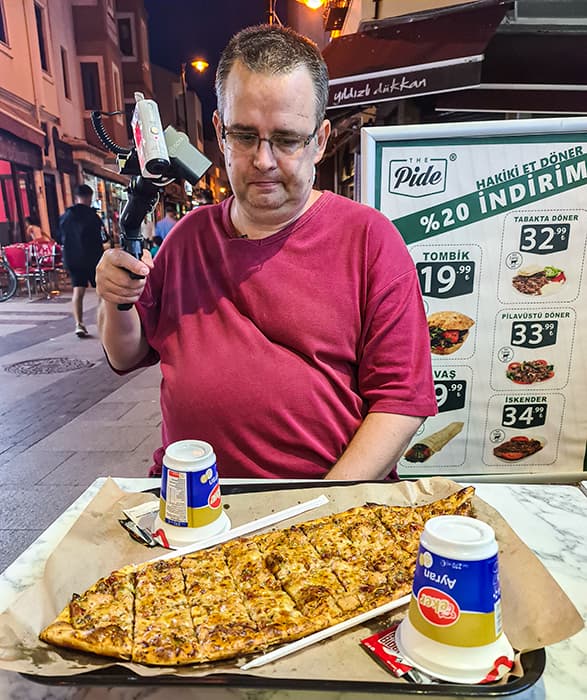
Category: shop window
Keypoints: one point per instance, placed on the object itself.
(91, 85)
(549, 12)
(144, 43)
(8, 214)
(65, 73)
(42, 36)
(24, 179)
(3, 34)
(117, 89)
(125, 36)
(17, 200)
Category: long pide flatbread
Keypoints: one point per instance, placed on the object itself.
(249, 594)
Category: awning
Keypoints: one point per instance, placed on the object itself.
(93, 159)
(105, 173)
(532, 72)
(22, 130)
(418, 54)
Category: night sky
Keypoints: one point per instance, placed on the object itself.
(181, 30)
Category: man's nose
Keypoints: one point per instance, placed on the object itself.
(264, 156)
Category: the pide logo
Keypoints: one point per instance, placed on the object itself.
(437, 607)
(417, 177)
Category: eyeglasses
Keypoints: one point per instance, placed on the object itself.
(281, 144)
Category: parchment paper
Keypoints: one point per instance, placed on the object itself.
(536, 611)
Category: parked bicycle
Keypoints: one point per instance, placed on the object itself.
(8, 279)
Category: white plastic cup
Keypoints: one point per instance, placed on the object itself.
(190, 507)
(453, 629)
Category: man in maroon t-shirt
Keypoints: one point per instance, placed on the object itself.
(287, 321)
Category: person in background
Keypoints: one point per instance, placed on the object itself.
(82, 236)
(288, 321)
(157, 240)
(148, 231)
(163, 227)
(33, 231)
(205, 197)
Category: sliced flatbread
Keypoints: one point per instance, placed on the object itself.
(249, 594)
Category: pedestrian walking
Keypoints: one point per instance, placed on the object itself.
(163, 227)
(82, 237)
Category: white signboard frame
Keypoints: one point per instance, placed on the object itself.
(494, 214)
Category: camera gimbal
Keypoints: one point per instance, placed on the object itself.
(158, 158)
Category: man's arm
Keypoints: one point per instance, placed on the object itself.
(121, 331)
(376, 447)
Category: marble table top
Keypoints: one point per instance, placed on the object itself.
(550, 518)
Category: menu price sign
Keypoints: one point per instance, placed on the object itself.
(520, 419)
(532, 348)
(534, 334)
(498, 235)
(445, 280)
(544, 239)
(446, 431)
(450, 395)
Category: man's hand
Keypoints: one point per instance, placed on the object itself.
(113, 281)
(120, 331)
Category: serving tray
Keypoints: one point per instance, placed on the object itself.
(533, 662)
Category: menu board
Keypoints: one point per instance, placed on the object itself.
(495, 217)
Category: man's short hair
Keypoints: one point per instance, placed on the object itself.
(170, 209)
(274, 50)
(83, 191)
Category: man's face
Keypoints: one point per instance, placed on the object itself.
(271, 187)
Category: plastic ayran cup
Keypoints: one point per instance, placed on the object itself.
(190, 507)
(453, 630)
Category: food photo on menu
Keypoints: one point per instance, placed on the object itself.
(537, 280)
(429, 445)
(448, 331)
(518, 447)
(530, 371)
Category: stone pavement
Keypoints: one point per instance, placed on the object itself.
(65, 416)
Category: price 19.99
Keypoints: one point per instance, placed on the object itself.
(534, 334)
(450, 395)
(444, 280)
(521, 417)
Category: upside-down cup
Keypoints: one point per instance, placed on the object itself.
(190, 506)
(453, 630)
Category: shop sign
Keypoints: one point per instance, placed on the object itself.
(63, 155)
(493, 214)
(18, 151)
(400, 83)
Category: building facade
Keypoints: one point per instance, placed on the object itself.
(422, 61)
(60, 60)
(29, 113)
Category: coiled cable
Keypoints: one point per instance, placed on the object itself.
(100, 130)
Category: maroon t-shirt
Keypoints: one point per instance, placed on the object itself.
(274, 350)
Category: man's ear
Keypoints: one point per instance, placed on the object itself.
(217, 121)
(322, 140)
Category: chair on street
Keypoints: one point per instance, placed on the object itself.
(46, 260)
(18, 258)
